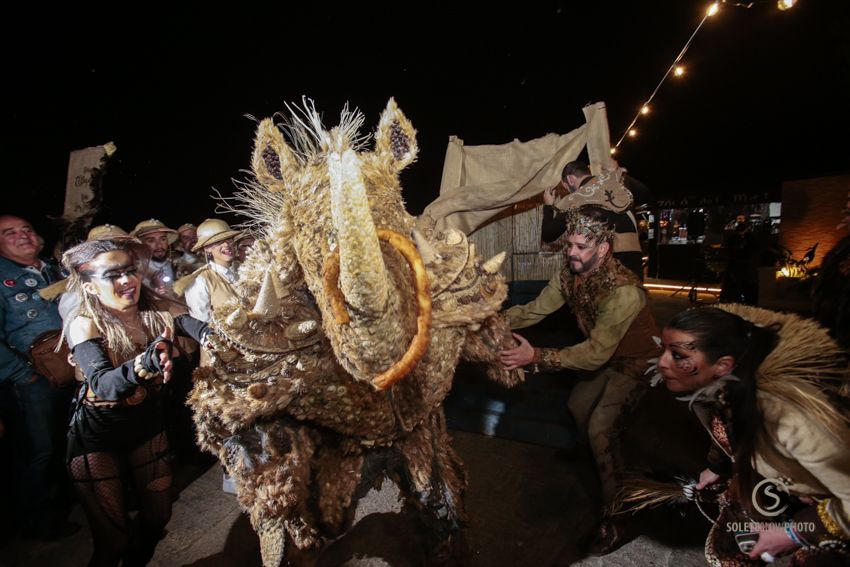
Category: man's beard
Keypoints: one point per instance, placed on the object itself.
(584, 266)
(160, 256)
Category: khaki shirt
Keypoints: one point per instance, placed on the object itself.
(616, 314)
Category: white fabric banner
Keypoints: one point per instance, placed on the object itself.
(81, 195)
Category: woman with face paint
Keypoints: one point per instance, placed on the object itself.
(121, 345)
(768, 388)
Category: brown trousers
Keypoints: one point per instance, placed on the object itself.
(598, 406)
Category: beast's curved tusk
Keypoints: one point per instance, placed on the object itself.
(421, 339)
(419, 344)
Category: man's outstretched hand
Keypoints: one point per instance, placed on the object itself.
(517, 356)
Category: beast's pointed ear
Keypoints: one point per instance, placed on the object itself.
(395, 139)
(273, 160)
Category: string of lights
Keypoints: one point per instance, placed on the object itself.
(677, 69)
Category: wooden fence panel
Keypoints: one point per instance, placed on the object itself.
(519, 236)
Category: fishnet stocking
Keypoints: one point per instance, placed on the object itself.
(98, 480)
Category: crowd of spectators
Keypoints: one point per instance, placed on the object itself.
(37, 405)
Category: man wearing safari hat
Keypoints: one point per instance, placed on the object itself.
(158, 238)
(187, 238)
(211, 285)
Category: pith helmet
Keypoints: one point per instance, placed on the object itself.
(153, 225)
(107, 232)
(212, 231)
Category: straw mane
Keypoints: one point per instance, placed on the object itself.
(806, 366)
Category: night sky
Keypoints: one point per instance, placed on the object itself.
(766, 96)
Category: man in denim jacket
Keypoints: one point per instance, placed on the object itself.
(42, 409)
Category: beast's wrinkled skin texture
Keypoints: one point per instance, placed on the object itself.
(287, 400)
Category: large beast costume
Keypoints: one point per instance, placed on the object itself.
(343, 340)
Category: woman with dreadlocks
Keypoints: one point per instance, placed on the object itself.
(768, 388)
(121, 344)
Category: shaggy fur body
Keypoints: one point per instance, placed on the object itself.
(288, 403)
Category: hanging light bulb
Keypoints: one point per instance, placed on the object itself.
(786, 4)
(644, 109)
(714, 8)
(678, 70)
(632, 133)
(613, 151)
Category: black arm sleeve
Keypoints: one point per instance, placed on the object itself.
(553, 225)
(188, 326)
(106, 381)
(718, 462)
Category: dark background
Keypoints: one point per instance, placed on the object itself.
(765, 97)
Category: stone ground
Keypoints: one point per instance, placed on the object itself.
(527, 505)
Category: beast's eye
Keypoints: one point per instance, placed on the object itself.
(398, 141)
(272, 162)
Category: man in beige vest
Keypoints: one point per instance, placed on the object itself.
(611, 309)
(160, 275)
